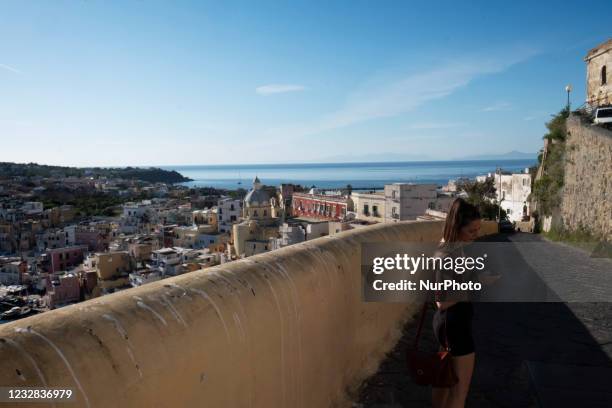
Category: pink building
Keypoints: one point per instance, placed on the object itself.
(63, 289)
(95, 240)
(61, 259)
(323, 207)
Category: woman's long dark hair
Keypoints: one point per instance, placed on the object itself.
(460, 214)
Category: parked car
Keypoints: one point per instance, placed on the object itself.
(505, 225)
(603, 116)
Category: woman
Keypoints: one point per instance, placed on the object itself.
(453, 318)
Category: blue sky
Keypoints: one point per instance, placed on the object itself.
(168, 83)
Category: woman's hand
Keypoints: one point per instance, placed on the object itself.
(445, 305)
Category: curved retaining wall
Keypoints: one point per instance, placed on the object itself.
(280, 329)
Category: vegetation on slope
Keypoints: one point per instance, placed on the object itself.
(151, 174)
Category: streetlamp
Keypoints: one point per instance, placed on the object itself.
(568, 89)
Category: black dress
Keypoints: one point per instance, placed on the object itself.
(453, 326)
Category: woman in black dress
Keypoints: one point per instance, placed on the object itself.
(453, 318)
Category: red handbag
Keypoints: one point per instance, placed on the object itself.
(428, 368)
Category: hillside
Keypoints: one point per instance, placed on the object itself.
(151, 174)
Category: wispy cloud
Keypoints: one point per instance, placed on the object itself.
(9, 68)
(278, 88)
(400, 95)
(436, 125)
(20, 123)
(497, 106)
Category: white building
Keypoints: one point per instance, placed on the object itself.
(143, 277)
(134, 216)
(228, 213)
(32, 208)
(289, 234)
(512, 193)
(10, 272)
(406, 201)
(169, 261)
(369, 206)
(56, 238)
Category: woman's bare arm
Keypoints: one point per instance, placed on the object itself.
(445, 305)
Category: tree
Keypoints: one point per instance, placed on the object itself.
(546, 191)
(482, 195)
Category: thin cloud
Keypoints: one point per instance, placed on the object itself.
(278, 88)
(436, 125)
(401, 95)
(498, 106)
(9, 68)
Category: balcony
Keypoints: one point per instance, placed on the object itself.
(285, 328)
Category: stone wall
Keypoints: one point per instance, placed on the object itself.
(587, 191)
(286, 328)
(599, 92)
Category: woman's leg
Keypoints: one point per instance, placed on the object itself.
(439, 396)
(464, 367)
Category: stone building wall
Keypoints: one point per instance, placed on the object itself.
(599, 90)
(587, 192)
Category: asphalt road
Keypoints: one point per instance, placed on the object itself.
(532, 353)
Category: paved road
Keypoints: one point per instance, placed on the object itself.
(529, 354)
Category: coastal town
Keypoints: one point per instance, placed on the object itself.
(309, 205)
(56, 255)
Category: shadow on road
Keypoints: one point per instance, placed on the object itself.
(528, 354)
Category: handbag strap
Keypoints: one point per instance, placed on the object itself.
(420, 328)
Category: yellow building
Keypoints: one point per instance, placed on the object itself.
(252, 236)
(207, 217)
(112, 268)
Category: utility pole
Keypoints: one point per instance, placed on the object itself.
(568, 89)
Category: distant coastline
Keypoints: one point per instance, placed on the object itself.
(147, 174)
(336, 175)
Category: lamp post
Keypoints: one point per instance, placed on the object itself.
(568, 89)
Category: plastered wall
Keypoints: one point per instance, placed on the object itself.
(281, 329)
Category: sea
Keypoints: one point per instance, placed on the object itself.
(338, 175)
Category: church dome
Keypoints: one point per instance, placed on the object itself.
(256, 197)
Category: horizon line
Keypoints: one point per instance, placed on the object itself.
(162, 166)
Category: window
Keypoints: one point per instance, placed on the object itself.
(604, 75)
(265, 213)
(255, 213)
(366, 209)
(232, 207)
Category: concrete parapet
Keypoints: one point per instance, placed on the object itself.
(281, 329)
